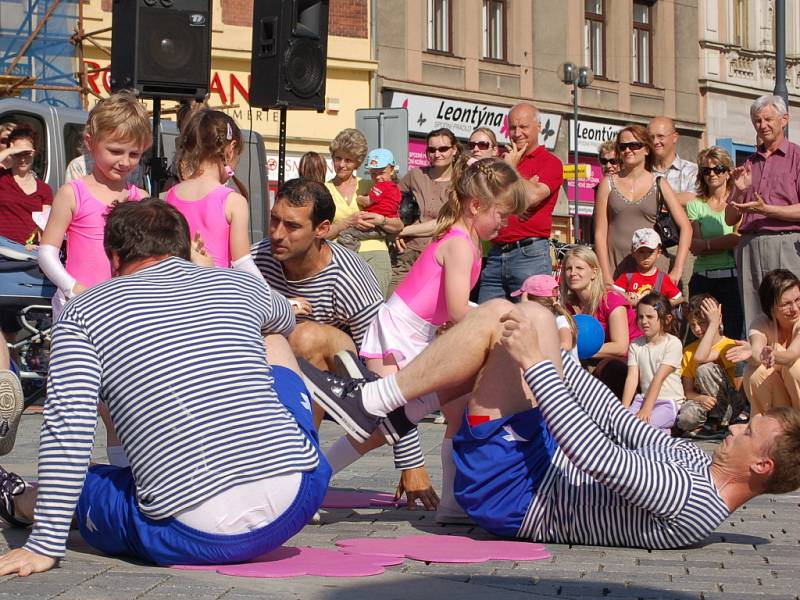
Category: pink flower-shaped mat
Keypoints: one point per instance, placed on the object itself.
(357, 499)
(288, 561)
(443, 549)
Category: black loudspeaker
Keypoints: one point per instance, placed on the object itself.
(162, 48)
(290, 49)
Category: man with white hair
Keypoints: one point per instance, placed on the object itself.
(522, 248)
(766, 197)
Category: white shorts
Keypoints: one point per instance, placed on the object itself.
(397, 331)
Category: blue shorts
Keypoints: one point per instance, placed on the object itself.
(109, 518)
(499, 466)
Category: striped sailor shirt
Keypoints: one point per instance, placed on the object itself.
(176, 353)
(346, 295)
(615, 481)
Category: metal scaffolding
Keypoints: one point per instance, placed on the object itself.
(42, 51)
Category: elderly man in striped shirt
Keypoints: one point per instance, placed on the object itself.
(225, 461)
(547, 453)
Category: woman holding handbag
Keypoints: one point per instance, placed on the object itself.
(633, 199)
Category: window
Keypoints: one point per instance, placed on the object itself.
(494, 25)
(642, 51)
(594, 54)
(740, 23)
(439, 25)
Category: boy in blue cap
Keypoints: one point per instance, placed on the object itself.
(384, 198)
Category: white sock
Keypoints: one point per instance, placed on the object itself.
(417, 409)
(341, 454)
(447, 500)
(116, 456)
(382, 396)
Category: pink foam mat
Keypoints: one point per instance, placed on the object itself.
(288, 561)
(358, 499)
(444, 549)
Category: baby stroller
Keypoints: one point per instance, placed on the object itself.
(25, 295)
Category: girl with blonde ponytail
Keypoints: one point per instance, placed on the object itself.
(436, 289)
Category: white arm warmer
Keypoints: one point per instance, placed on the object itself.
(248, 265)
(51, 266)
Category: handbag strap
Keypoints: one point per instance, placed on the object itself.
(659, 197)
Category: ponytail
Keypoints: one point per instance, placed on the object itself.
(488, 180)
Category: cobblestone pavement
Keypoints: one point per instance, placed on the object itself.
(755, 554)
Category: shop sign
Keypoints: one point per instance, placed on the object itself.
(428, 112)
(591, 134)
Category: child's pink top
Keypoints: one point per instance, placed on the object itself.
(207, 216)
(423, 289)
(86, 256)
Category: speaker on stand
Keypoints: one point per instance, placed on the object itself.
(161, 49)
(289, 59)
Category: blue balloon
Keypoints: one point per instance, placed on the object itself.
(590, 335)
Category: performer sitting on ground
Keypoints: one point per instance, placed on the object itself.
(561, 460)
(225, 462)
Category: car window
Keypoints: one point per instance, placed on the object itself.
(73, 141)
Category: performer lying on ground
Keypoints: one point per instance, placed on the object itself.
(566, 463)
(225, 462)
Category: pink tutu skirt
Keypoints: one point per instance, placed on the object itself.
(397, 331)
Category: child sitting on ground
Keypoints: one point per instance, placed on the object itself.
(645, 249)
(384, 199)
(543, 289)
(708, 376)
(653, 363)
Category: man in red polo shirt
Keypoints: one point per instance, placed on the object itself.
(522, 249)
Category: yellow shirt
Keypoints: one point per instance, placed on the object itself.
(346, 209)
(689, 365)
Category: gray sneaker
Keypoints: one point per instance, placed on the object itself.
(341, 399)
(347, 364)
(12, 403)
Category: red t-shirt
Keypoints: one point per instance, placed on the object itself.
(16, 222)
(385, 199)
(551, 173)
(641, 285)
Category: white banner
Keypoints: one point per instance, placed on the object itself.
(591, 134)
(428, 112)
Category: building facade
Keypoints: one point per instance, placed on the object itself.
(737, 41)
(350, 73)
(461, 63)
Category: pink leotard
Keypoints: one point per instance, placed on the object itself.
(423, 289)
(86, 257)
(207, 216)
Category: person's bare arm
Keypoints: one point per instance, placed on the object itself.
(601, 230)
(705, 352)
(424, 229)
(631, 385)
(617, 346)
(706, 402)
(651, 395)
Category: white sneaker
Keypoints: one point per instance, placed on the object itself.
(12, 403)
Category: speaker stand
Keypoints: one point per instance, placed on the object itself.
(157, 163)
(282, 147)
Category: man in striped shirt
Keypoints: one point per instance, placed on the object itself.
(555, 457)
(225, 461)
(336, 296)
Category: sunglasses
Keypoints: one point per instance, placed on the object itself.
(719, 170)
(633, 146)
(609, 161)
(482, 145)
(439, 149)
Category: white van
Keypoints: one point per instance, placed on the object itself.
(60, 132)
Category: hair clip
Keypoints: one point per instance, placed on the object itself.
(229, 134)
(229, 171)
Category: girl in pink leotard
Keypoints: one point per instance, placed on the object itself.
(436, 290)
(208, 150)
(117, 133)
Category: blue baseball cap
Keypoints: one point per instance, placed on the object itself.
(380, 158)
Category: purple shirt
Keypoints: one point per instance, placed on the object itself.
(777, 178)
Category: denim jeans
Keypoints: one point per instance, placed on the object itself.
(506, 271)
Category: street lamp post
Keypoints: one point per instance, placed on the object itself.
(578, 77)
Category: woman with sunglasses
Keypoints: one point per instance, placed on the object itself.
(429, 186)
(482, 144)
(628, 201)
(713, 241)
(21, 192)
